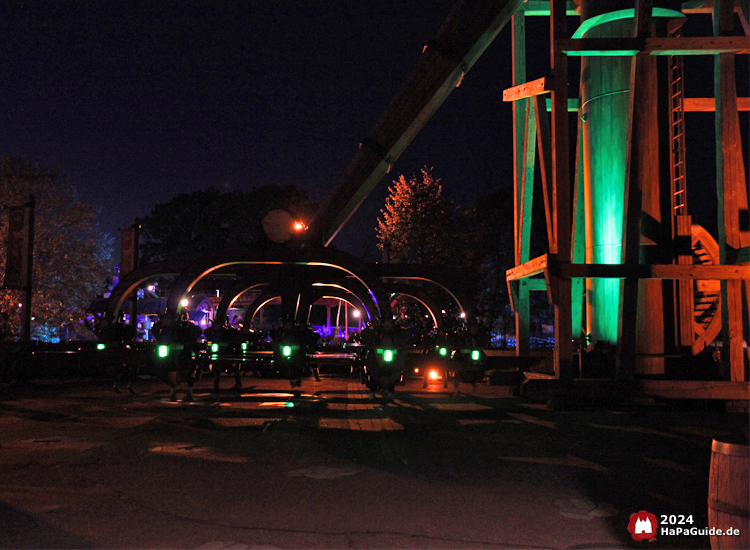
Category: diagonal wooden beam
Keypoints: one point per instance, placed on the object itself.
(544, 140)
(468, 30)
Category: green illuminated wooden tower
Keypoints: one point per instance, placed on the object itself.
(624, 255)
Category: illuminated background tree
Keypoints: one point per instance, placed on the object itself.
(71, 257)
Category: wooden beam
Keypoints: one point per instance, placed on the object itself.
(565, 367)
(731, 190)
(524, 152)
(700, 272)
(700, 45)
(541, 8)
(574, 104)
(578, 242)
(637, 164)
(527, 269)
(696, 389)
(527, 89)
(686, 302)
(468, 30)
(536, 284)
(708, 104)
(525, 206)
(544, 140)
(657, 271)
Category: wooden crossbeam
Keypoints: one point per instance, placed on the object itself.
(527, 269)
(541, 8)
(708, 104)
(700, 45)
(621, 271)
(696, 389)
(527, 89)
(544, 141)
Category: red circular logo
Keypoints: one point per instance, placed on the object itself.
(643, 526)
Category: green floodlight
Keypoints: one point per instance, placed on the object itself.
(387, 355)
(101, 346)
(163, 351)
(214, 348)
(443, 351)
(475, 355)
(286, 351)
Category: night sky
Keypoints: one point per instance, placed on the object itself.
(140, 101)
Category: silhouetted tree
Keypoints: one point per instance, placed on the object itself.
(193, 224)
(71, 257)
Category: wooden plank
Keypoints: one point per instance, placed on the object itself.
(702, 45)
(657, 271)
(527, 184)
(700, 272)
(696, 389)
(565, 367)
(524, 149)
(544, 140)
(527, 89)
(527, 269)
(708, 104)
(636, 169)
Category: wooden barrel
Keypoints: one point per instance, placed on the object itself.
(728, 494)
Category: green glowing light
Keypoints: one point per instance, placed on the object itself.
(244, 346)
(475, 355)
(443, 351)
(163, 351)
(214, 347)
(286, 351)
(289, 404)
(101, 346)
(387, 355)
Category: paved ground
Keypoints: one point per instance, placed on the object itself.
(84, 467)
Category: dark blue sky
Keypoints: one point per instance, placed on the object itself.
(140, 101)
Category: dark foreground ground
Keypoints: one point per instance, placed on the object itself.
(84, 467)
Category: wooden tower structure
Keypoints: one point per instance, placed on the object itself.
(624, 254)
(624, 258)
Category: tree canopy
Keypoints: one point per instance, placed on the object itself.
(193, 224)
(71, 257)
(418, 224)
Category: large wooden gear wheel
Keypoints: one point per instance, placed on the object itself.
(706, 294)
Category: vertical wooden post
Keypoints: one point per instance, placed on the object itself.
(686, 333)
(564, 366)
(522, 218)
(578, 238)
(636, 168)
(730, 190)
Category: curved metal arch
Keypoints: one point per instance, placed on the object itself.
(265, 297)
(419, 295)
(231, 296)
(340, 292)
(435, 276)
(131, 281)
(341, 261)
